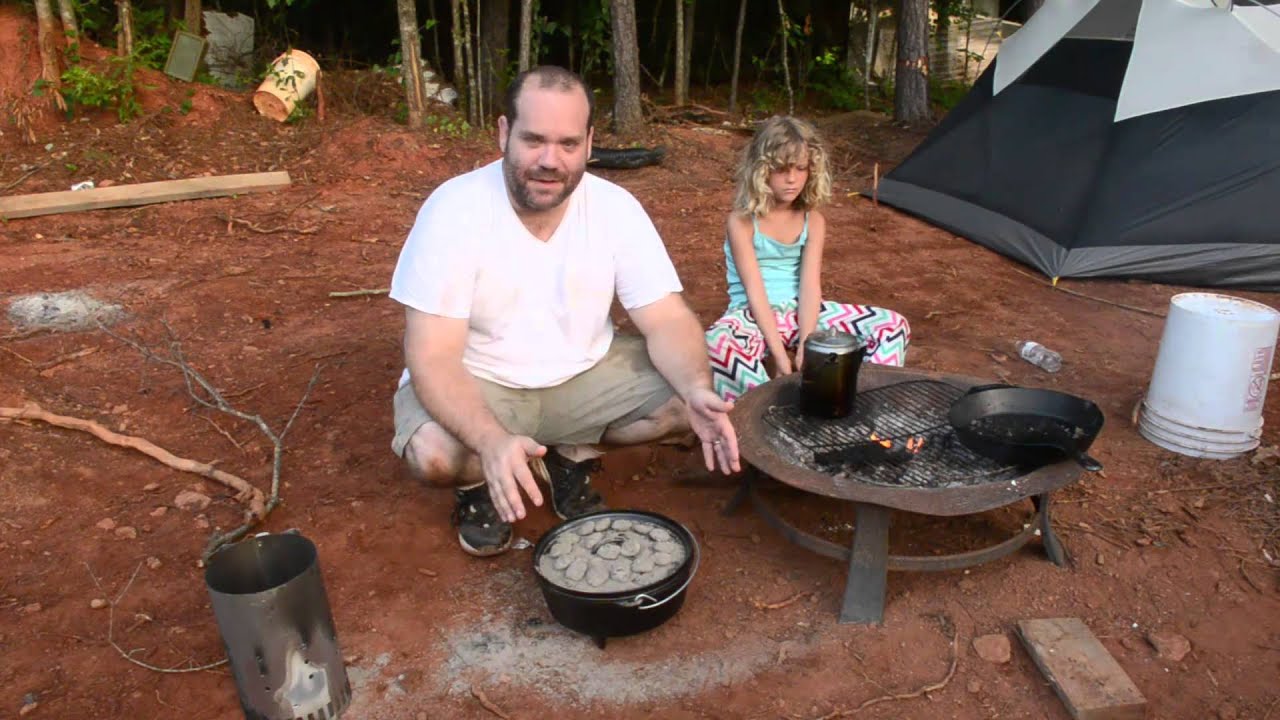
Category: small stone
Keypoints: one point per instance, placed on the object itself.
(192, 501)
(125, 532)
(159, 512)
(967, 585)
(28, 708)
(202, 522)
(974, 687)
(153, 563)
(1129, 643)
(1100, 559)
(107, 524)
(1142, 541)
(151, 487)
(993, 648)
(97, 603)
(30, 609)
(1227, 711)
(1169, 645)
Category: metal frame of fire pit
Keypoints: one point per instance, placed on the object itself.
(869, 559)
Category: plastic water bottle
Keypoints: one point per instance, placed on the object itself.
(1040, 356)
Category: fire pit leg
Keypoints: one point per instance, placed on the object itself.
(744, 490)
(1052, 547)
(868, 567)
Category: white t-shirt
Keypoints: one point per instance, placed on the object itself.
(538, 311)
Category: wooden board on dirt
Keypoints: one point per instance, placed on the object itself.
(1087, 678)
(20, 206)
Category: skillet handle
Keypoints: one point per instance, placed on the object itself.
(991, 386)
(1088, 463)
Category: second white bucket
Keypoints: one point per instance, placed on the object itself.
(1210, 377)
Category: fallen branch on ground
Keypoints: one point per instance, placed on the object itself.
(111, 621)
(229, 220)
(779, 605)
(488, 704)
(359, 293)
(948, 628)
(215, 400)
(18, 355)
(65, 358)
(245, 493)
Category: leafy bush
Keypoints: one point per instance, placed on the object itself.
(82, 87)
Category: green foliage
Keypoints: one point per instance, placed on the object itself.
(448, 125)
(151, 39)
(596, 35)
(113, 88)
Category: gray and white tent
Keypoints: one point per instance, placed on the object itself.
(1118, 138)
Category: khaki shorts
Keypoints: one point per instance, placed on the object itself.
(620, 389)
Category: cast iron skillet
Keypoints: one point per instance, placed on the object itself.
(1028, 427)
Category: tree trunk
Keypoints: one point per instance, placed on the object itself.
(69, 26)
(459, 57)
(47, 39)
(682, 72)
(526, 34)
(124, 30)
(192, 16)
(911, 77)
(627, 117)
(851, 48)
(494, 39)
(415, 93)
(687, 49)
(737, 56)
(473, 87)
(786, 68)
(438, 65)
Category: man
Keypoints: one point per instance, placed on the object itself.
(513, 369)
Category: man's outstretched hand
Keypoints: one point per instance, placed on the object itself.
(709, 419)
(506, 471)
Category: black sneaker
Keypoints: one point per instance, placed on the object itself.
(571, 491)
(480, 531)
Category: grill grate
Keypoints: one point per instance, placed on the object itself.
(917, 408)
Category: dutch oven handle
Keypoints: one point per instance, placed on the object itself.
(991, 386)
(638, 601)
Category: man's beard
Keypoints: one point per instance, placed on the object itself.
(522, 195)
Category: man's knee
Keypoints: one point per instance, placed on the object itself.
(432, 455)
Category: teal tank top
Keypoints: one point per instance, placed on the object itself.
(779, 267)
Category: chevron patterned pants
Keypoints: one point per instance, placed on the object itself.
(737, 347)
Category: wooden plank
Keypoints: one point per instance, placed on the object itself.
(20, 206)
(1087, 678)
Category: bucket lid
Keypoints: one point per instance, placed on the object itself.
(834, 341)
(1225, 306)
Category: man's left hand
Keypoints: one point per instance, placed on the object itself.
(709, 419)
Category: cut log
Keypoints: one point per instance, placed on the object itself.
(1090, 682)
(52, 203)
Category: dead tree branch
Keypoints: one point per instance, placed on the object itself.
(111, 621)
(213, 399)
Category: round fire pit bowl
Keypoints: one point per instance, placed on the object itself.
(650, 563)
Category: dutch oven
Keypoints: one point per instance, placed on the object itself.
(602, 615)
(1028, 427)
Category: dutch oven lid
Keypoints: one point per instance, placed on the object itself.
(834, 342)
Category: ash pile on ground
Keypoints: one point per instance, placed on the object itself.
(62, 312)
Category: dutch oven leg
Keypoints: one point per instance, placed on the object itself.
(1052, 547)
(868, 567)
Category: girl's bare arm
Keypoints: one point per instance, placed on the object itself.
(744, 256)
(811, 279)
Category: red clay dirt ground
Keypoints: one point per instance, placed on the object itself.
(1162, 543)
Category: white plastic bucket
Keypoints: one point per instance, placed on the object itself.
(1210, 378)
(291, 77)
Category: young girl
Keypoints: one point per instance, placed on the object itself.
(774, 257)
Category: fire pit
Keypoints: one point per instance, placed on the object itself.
(895, 451)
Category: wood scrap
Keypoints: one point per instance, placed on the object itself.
(781, 604)
(245, 493)
(46, 368)
(488, 704)
(359, 293)
(1085, 676)
(232, 220)
(21, 206)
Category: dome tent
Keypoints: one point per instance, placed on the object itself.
(1118, 138)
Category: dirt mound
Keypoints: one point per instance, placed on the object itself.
(30, 115)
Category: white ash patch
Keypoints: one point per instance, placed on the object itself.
(62, 311)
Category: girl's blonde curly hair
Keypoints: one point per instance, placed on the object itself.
(781, 141)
